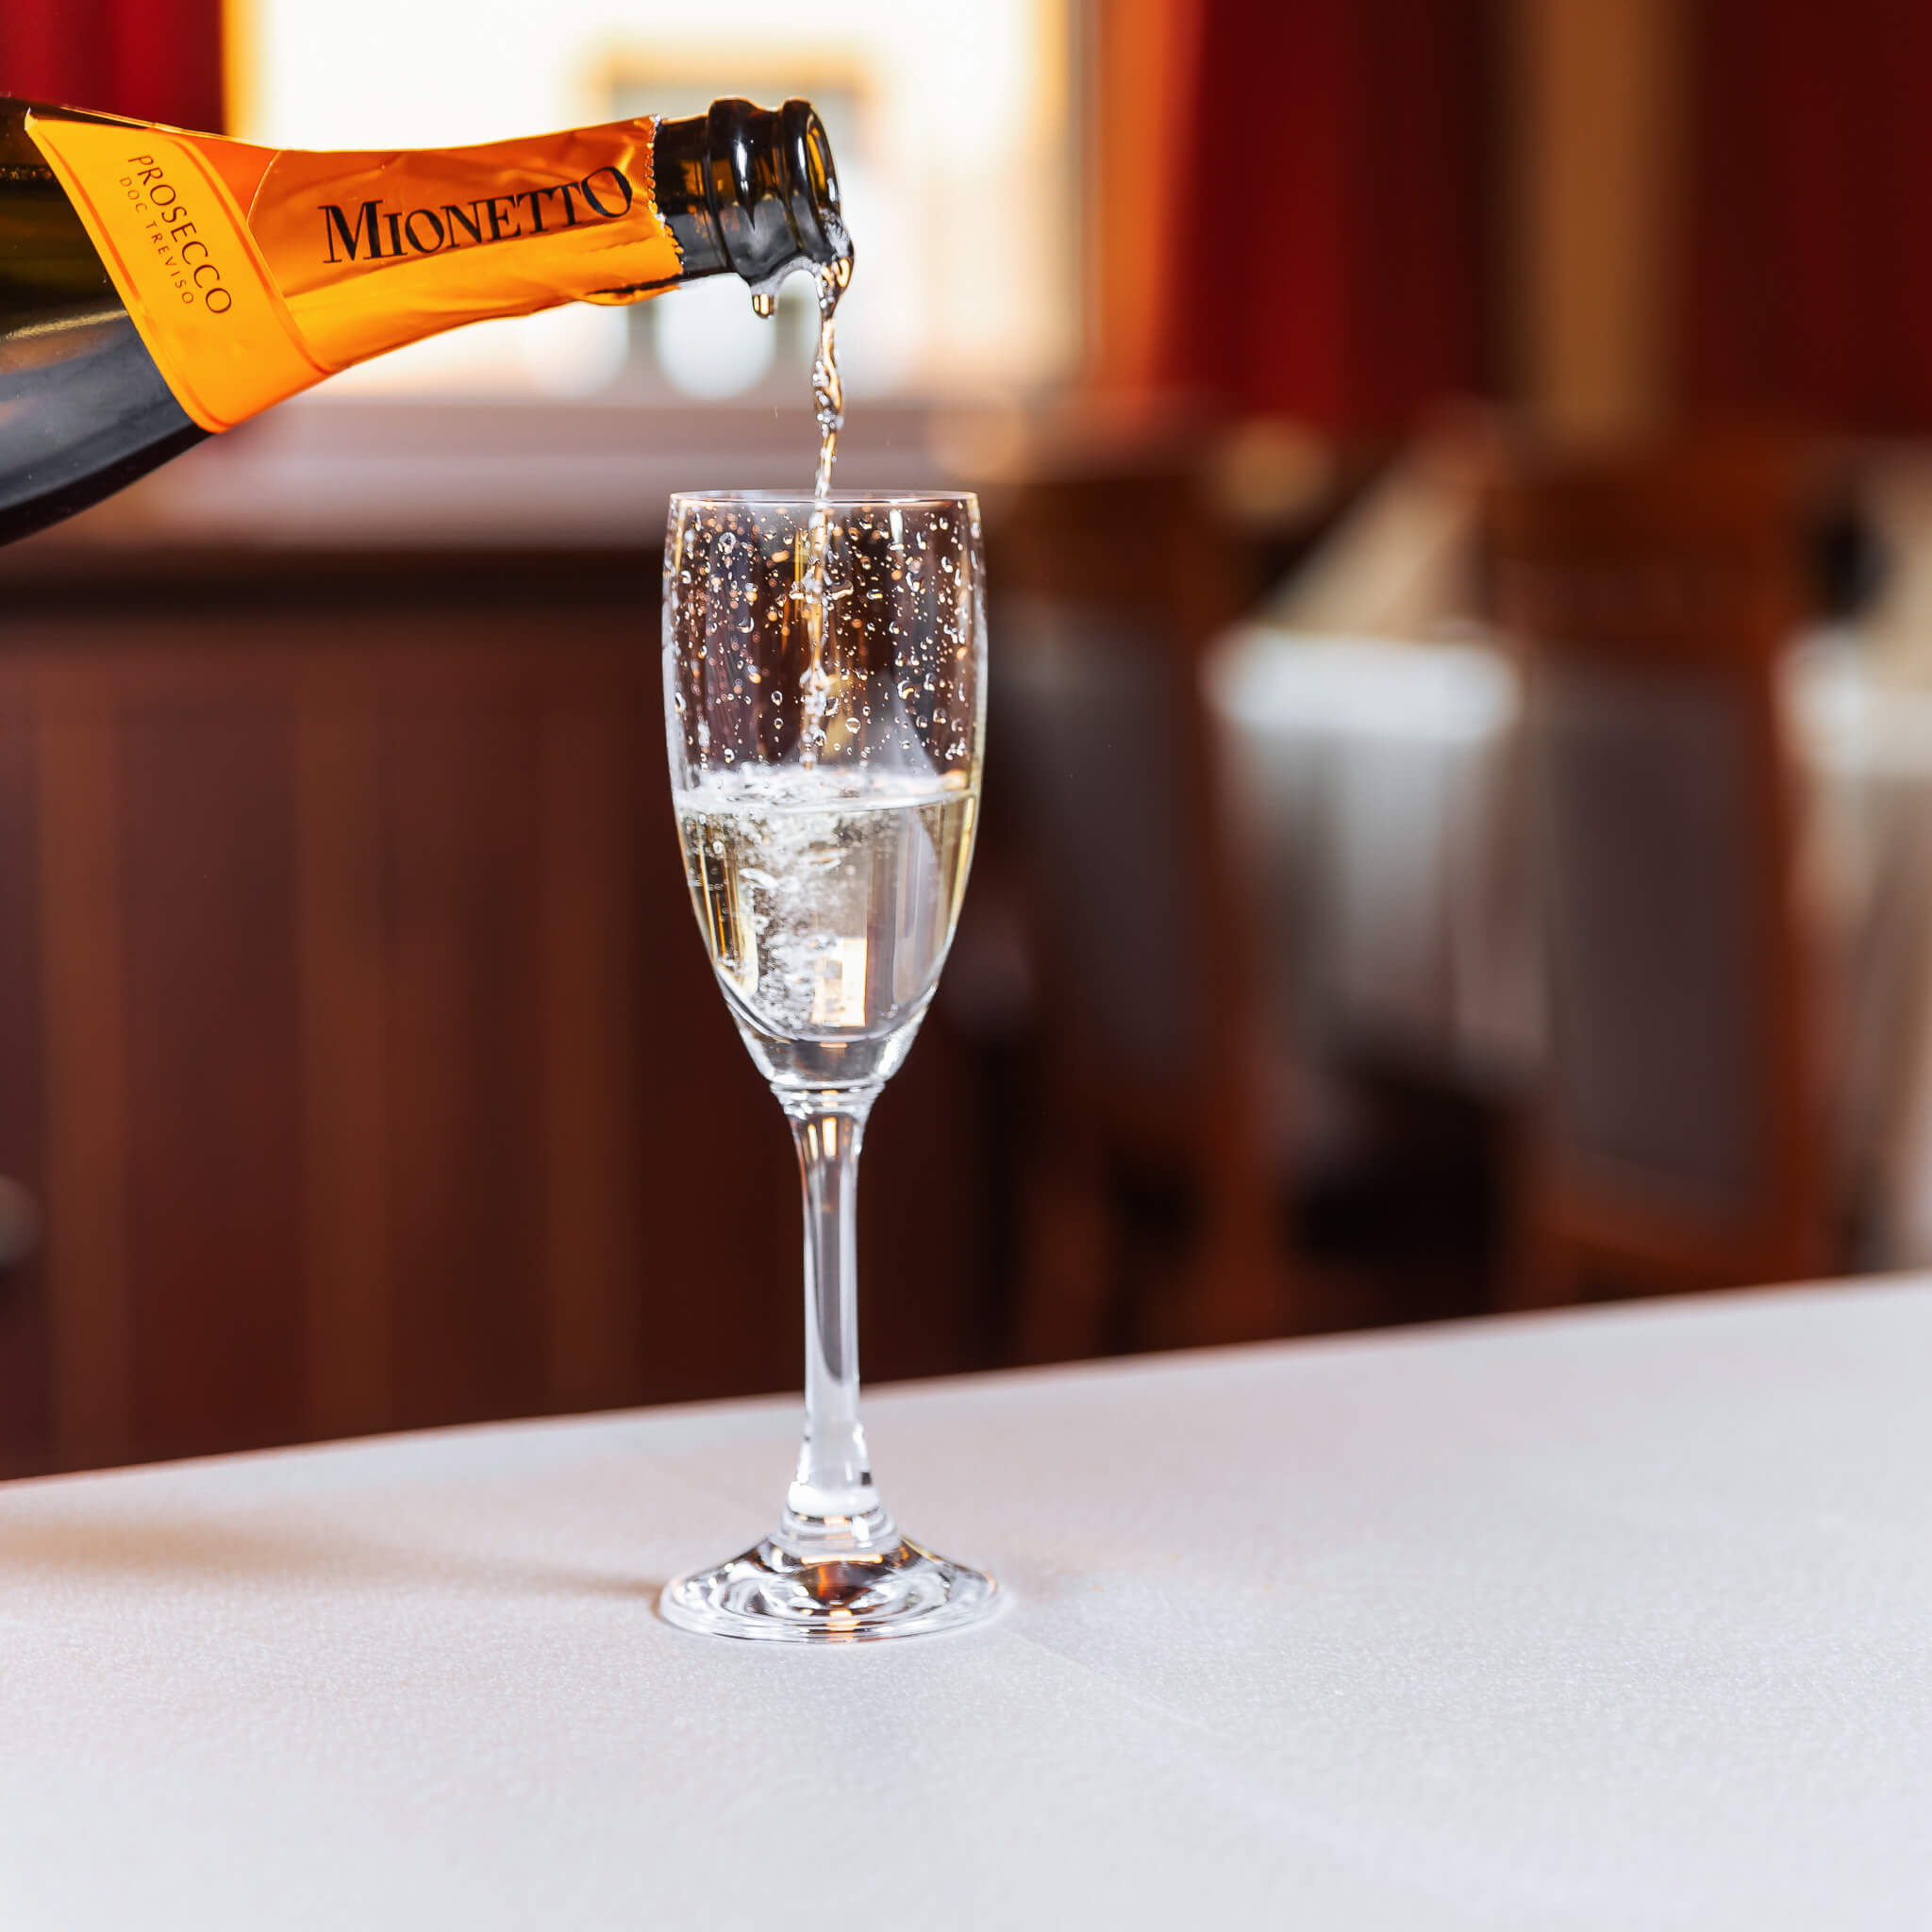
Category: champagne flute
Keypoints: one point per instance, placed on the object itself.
(824, 662)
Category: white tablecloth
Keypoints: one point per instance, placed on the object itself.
(1606, 1620)
(1372, 784)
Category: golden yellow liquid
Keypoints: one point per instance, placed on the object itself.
(828, 916)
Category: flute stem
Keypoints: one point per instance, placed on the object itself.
(831, 1509)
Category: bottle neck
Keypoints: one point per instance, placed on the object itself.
(751, 191)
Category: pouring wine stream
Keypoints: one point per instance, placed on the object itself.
(813, 588)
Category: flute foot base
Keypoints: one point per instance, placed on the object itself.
(770, 1593)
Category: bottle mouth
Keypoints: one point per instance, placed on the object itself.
(752, 190)
(816, 212)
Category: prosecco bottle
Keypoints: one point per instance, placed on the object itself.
(158, 287)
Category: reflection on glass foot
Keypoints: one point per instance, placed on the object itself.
(852, 1598)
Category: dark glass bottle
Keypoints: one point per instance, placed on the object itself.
(86, 406)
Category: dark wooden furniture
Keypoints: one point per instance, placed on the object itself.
(354, 1038)
(1678, 1143)
(1154, 1213)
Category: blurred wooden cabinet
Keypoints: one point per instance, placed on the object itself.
(356, 1042)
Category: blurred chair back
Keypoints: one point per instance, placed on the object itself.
(1153, 1219)
(1677, 1143)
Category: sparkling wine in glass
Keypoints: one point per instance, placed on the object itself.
(824, 662)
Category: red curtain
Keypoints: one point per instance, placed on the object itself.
(1807, 282)
(1332, 221)
(155, 60)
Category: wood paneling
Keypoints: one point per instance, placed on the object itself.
(357, 1034)
(26, 1349)
(462, 775)
(205, 837)
(343, 989)
(83, 1021)
(594, 1341)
